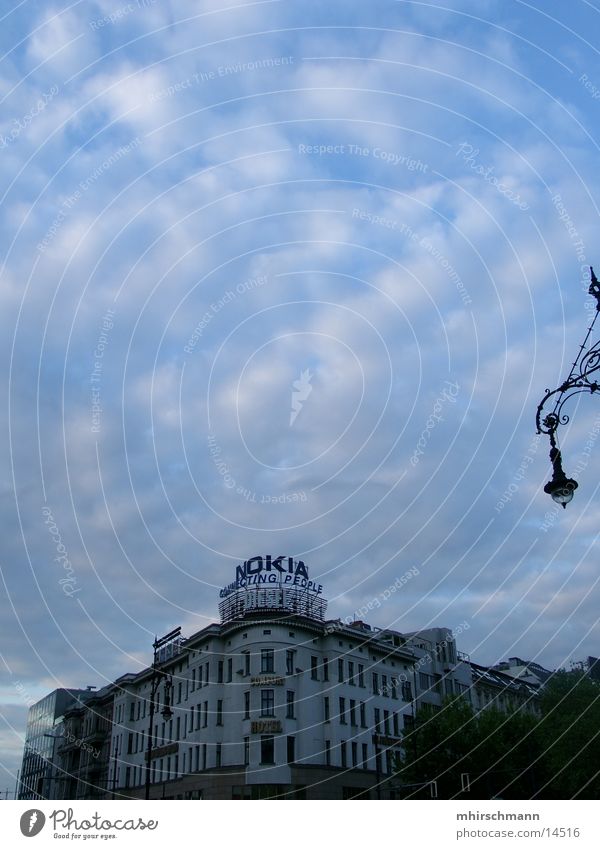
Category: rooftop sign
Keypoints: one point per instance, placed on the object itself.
(274, 584)
(260, 571)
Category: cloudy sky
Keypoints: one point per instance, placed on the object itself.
(291, 277)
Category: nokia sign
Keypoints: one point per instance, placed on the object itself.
(269, 570)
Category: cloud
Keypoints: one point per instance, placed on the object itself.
(259, 192)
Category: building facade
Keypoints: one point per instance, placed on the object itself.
(274, 701)
(42, 740)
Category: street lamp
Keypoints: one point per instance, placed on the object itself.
(561, 488)
(157, 677)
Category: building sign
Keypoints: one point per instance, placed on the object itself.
(265, 726)
(266, 681)
(282, 571)
(161, 751)
(269, 585)
(383, 740)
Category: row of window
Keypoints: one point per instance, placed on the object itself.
(196, 759)
(350, 712)
(348, 672)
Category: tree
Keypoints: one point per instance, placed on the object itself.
(439, 748)
(509, 755)
(498, 754)
(570, 734)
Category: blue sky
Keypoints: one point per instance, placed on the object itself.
(391, 206)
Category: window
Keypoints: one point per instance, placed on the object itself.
(289, 662)
(342, 710)
(328, 752)
(179, 686)
(130, 743)
(246, 663)
(247, 704)
(365, 755)
(193, 679)
(326, 708)
(409, 722)
(267, 703)
(395, 724)
(361, 675)
(218, 755)
(132, 711)
(196, 758)
(205, 723)
(267, 660)
(406, 691)
(386, 722)
(206, 672)
(354, 754)
(204, 756)
(198, 714)
(394, 688)
(267, 631)
(375, 684)
(388, 761)
(127, 776)
(352, 712)
(384, 686)
(229, 670)
(363, 715)
(344, 758)
(219, 711)
(424, 681)
(192, 718)
(314, 668)
(351, 673)
(291, 705)
(377, 720)
(220, 672)
(178, 728)
(267, 749)
(340, 670)
(246, 751)
(325, 669)
(291, 750)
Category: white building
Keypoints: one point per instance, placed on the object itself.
(276, 700)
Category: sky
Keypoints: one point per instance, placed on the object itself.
(291, 278)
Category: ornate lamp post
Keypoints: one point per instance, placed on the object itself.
(158, 676)
(587, 363)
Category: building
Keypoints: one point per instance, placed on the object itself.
(493, 688)
(83, 747)
(525, 670)
(274, 701)
(40, 755)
